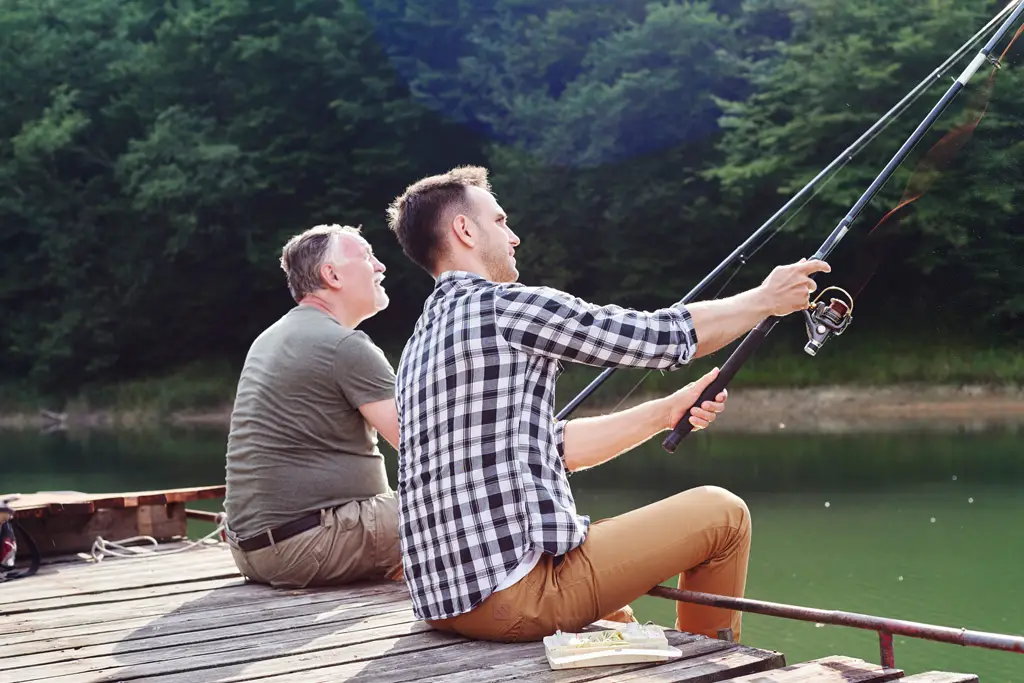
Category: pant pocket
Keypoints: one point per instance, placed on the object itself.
(387, 547)
(292, 563)
(298, 574)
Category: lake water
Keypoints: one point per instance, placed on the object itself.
(915, 525)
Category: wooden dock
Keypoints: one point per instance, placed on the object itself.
(190, 616)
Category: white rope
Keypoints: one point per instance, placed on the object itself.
(102, 548)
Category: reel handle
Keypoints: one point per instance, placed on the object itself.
(750, 343)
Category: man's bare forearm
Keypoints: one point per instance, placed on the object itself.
(590, 441)
(721, 321)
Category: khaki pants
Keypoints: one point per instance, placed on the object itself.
(702, 534)
(356, 541)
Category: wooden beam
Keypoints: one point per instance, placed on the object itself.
(835, 669)
(57, 503)
(71, 532)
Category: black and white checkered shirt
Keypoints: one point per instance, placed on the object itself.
(481, 477)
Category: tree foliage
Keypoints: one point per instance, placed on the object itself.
(154, 156)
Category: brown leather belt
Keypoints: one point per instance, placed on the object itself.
(281, 533)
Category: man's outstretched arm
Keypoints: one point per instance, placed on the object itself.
(786, 290)
(590, 441)
(545, 321)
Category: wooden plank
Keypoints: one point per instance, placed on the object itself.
(75, 565)
(191, 617)
(44, 504)
(940, 677)
(212, 598)
(131, 568)
(33, 505)
(287, 650)
(365, 655)
(704, 659)
(118, 596)
(69, 532)
(158, 633)
(411, 666)
(835, 669)
(152, 639)
(131, 575)
(532, 663)
(181, 495)
(718, 666)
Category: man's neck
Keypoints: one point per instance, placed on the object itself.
(462, 266)
(331, 308)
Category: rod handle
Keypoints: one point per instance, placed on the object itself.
(743, 352)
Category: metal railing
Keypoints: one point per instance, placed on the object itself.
(885, 627)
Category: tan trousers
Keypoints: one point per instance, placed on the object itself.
(702, 534)
(356, 541)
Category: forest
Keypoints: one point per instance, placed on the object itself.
(156, 154)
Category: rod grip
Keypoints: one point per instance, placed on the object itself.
(744, 351)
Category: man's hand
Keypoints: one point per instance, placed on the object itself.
(787, 289)
(701, 416)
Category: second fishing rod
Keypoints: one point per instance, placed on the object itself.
(742, 252)
(832, 318)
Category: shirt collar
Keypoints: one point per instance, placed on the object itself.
(452, 278)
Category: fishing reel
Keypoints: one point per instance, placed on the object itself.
(825, 319)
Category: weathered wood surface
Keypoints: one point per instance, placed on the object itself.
(940, 677)
(191, 617)
(63, 522)
(75, 533)
(49, 503)
(835, 669)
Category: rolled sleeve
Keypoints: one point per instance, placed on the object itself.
(558, 435)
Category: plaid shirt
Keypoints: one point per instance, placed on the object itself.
(481, 477)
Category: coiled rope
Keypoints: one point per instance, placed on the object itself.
(102, 548)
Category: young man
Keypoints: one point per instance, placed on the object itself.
(308, 501)
(492, 544)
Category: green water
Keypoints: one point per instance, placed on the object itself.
(919, 526)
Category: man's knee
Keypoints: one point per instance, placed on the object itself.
(726, 503)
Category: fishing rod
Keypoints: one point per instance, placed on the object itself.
(840, 160)
(823, 320)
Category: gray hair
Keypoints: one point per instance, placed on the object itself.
(304, 253)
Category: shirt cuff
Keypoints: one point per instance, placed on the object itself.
(558, 431)
(689, 333)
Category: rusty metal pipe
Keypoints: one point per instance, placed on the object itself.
(913, 629)
(886, 649)
(203, 515)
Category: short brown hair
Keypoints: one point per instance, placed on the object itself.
(416, 215)
(304, 253)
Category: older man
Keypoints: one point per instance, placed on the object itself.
(308, 501)
(493, 545)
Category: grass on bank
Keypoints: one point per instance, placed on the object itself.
(780, 363)
(197, 387)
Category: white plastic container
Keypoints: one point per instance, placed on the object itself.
(628, 644)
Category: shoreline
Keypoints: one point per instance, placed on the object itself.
(824, 409)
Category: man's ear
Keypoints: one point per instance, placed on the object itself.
(329, 277)
(464, 231)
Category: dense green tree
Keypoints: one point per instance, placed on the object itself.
(154, 156)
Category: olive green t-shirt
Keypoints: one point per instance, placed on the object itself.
(298, 442)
